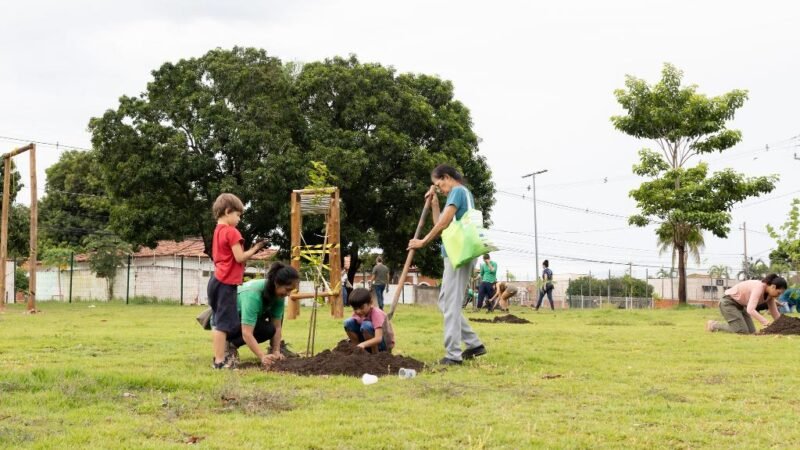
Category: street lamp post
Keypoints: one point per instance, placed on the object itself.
(535, 227)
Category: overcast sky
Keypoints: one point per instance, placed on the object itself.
(538, 78)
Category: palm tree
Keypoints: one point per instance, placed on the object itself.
(719, 271)
(684, 240)
(754, 270)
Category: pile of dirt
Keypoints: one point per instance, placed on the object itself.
(784, 325)
(348, 359)
(508, 318)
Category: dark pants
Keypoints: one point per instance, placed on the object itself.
(263, 331)
(485, 291)
(549, 293)
(222, 300)
(379, 288)
(363, 332)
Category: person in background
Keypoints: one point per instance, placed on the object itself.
(380, 279)
(547, 289)
(468, 298)
(369, 328)
(346, 288)
(502, 298)
(739, 304)
(488, 274)
(788, 300)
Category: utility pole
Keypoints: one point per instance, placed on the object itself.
(535, 227)
(746, 265)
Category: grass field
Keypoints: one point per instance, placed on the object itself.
(138, 376)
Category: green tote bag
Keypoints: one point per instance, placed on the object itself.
(466, 239)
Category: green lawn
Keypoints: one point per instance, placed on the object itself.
(138, 376)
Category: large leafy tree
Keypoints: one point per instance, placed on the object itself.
(240, 121)
(224, 122)
(380, 134)
(684, 123)
(76, 202)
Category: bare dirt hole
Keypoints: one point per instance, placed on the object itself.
(348, 359)
(509, 318)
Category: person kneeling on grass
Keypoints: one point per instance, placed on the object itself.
(369, 328)
(261, 304)
(740, 305)
(501, 298)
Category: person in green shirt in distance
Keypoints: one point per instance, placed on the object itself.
(488, 280)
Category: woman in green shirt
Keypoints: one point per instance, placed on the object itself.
(261, 304)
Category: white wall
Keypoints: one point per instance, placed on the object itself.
(9, 293)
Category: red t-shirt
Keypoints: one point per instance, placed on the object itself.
(226, 269)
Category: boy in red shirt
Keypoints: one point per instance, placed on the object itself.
(369, 328)
(229, 258)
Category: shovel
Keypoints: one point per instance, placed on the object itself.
(409, 259)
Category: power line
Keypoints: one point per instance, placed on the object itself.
(764, 200)
(51, 190)
(568, 207)
(56, 145)
(597, 230)
(593, 244)
(784, 144)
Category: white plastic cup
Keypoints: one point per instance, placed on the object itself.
(368, 379)
(405, 374)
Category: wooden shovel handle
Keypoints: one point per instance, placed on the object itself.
(409, 258)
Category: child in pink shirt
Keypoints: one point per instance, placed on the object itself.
(369, 328)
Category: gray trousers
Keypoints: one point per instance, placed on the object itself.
(738, 321)
(451, 294)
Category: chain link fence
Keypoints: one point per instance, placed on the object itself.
(174, 279)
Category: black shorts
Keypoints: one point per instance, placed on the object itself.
(222, 300)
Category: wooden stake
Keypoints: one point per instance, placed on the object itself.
(409, 259)
(294, 304)
(4, 229)
(335, 254)
(34, 232)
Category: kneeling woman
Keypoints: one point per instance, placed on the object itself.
(740, 303)
(501, 299)
(261, 304)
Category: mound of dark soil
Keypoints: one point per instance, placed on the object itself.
(508, 318)
(784, 325)
(348, 359)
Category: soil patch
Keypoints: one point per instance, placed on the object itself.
(784, 325)
(348, 359)
(508, 318)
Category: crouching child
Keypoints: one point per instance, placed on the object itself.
(369, 328)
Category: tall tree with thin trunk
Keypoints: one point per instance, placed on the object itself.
(684, 124)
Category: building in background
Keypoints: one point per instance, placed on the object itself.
(170, 271)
